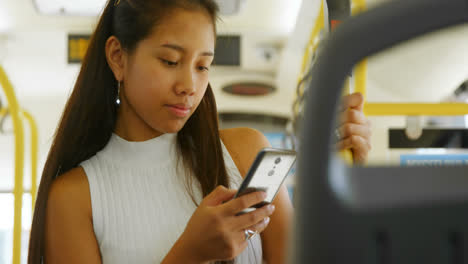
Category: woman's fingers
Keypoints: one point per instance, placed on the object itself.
(359, 146)
(350, 129)
(354, 130)
(244, 221)
(355, 142)
(218, 196)
(260, 226)
(240, 203)
(355, 101)
(353, 116)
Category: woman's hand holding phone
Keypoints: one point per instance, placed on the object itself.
(216, 232)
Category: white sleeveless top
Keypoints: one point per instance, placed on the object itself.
(140, 203)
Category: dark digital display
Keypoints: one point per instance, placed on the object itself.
(227, 51)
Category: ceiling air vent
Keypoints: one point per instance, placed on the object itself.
(249, 89)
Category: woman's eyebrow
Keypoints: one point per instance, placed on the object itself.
(182, 50)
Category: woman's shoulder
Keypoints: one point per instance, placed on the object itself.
(69, 193)
(243, 144)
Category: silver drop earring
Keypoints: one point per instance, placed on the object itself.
(117, 101)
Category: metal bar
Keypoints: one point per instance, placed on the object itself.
(313, 41)
(34, 151)
(360, 71)
(310, 48)
(3, 112)
(19, 162)
(5, 191)
(418, 109)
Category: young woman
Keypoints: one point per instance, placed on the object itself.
(138, 171)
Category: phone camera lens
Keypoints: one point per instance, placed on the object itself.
(278, 160)
(270, 173)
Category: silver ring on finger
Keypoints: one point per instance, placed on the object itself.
(249, 234)
(337, 134)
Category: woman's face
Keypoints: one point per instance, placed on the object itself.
(166, 76)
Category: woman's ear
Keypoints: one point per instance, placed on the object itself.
(115, 56)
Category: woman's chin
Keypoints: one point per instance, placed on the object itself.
(174, 127)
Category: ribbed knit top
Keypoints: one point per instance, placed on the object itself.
(140, 203)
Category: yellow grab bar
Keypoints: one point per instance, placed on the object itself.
(34, 151)
(415, 109)
(3, 112)
(313, 40)
(398, 109)
(311, 48)
(358, 6)
(360, 71)
(19, 162)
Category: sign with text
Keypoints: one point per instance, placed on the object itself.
(77, 47)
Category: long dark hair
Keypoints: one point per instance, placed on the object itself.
(90, 114)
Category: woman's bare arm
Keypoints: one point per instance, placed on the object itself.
(69, 234)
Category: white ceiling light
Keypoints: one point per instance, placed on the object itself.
(94, 7)
(230, 7)
(70, 7)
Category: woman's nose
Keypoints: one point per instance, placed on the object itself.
(186, 83)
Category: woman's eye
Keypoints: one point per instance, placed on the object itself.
(169, 63)
(203, 68)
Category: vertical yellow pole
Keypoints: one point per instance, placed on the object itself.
(3, 112)
(312, 44)
(34, 150)
(19, 162)
(310, 49)
(360, 70)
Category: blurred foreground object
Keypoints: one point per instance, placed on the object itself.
(375, 215)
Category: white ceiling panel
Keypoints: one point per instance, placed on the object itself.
(253, 15)
(426, 69)
(81, 7)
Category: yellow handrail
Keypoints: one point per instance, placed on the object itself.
(34, 151)
(360, 71)
(313, 40)
(311, 48)
(399, 109)
(3, 112)
(19, 162)
(415, 109)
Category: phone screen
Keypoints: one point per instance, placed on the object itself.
(267, 173)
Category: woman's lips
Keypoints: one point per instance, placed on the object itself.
(179, 110)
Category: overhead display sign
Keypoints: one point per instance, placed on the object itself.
(77, 47)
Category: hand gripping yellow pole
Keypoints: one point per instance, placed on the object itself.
(19, 162)
(360, 73)
(311, 49)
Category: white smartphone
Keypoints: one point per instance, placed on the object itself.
(267, 173)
